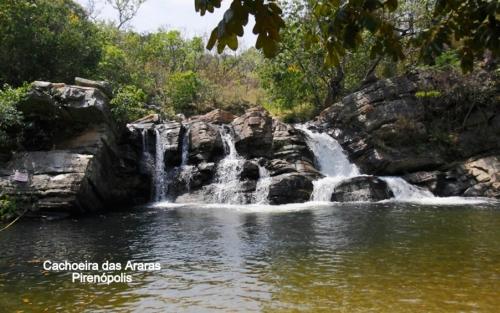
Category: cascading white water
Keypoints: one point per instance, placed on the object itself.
(263, 184)
(185, 148)
(159, 169)
(227, 183)
(405, 191)
(334, 164)
(185, 171)
(330, 157)
(331, 161)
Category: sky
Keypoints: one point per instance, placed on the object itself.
(173, 14)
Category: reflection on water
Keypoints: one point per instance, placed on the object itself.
(382, 257)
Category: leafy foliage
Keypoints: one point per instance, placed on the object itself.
(8, 207)
(11, 120)
(45, 40)
(472, 26)
(129, 104)
(268, 22)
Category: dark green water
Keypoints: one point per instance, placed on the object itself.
(324, 258)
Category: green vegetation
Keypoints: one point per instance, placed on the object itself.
(11, 120)
(471, 26)
(46, 39)
(322, 51)
(129, 104)
(8, 207)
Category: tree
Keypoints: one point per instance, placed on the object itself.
(46, 40)
(471, 26)
(127, 10)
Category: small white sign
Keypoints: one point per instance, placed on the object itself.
(20, 177)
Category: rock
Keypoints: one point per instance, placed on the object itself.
(250, 171)
(290, 188)
(290, 144)
(205, 143)
(71, 105)
(485, 172)
(81, 165)
(362, 188)
(101, 85)
(254, 133)
(389, 128)
(171, 133)
(148, 119)
(217, 116)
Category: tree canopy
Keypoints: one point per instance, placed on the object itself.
(472, 26)
(46, 39)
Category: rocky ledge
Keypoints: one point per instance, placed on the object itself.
(396, 127)
(74, 157)
(196, 150)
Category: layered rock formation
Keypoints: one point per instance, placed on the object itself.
(392, 127)
(362, 188)
(75, 160)
(253, 151)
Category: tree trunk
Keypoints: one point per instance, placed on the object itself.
(334, 87)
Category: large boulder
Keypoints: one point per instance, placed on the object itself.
(471, 178)
(205, 142)
(254, 133)
(216, 116)
(290, 188)
(171, 134)
(76, 160)
(426, 126)
(362, 188)
(378, 126)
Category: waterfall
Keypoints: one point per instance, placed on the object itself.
(405, 191)
(185, 171)
(185, 148)
(334, 164)
(330, 157)
(262, 189)
(159, 169)
(227, 182)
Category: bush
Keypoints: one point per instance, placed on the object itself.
(184, 92)
(46, 40)
(129, 104)
(11, 120)
(8, 207)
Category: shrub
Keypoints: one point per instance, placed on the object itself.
(8, 207)
(11, 120)
(129, 104)
(46, 40)
(184, 92)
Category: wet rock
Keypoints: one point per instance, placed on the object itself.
(290, 144)
(205, 143)
(81, 164)
(250, 171)
(290, 188)
(362, 188)
(254, 133)
(171, 133)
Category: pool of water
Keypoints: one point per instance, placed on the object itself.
(385, 257)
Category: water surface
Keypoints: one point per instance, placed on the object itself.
(385, 257)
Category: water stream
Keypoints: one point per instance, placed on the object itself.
(332, 162)
(227, 177)
(159, 169)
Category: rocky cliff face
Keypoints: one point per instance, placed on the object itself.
(393, 127)
(252, 156)
(75, 160)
